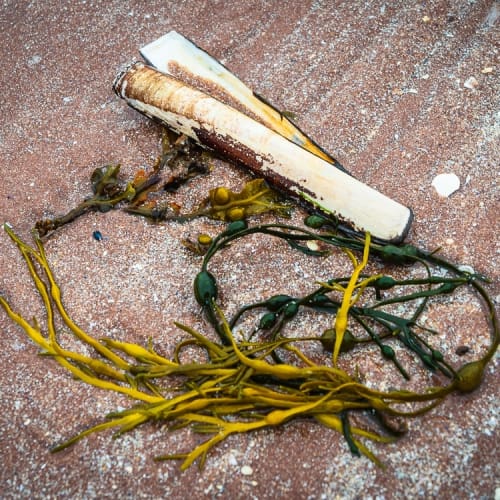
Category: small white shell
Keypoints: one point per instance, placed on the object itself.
(446, 184)
(471, 83)
(246, 470)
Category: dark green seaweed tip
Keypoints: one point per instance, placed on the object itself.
(205, 288)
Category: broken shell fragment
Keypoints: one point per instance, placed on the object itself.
(471, 83)
(446, 184)
(284, 164)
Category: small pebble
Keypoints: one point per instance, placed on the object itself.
(97, 235)
(446, 184)
(487, 70)
(461, 350)
(33, 61)
(246, 470)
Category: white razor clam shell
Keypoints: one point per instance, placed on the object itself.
(178, 56)
(287, 166)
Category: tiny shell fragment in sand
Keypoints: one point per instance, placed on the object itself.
(471, 83)
(446, 184)
(312, 245)
(465, 268)
(246, 470)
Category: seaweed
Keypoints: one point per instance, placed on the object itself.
(180, 161)
(249, 384)
(245, 385)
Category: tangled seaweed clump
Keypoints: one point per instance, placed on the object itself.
(250, 382)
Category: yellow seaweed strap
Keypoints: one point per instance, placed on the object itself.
(347, 300)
